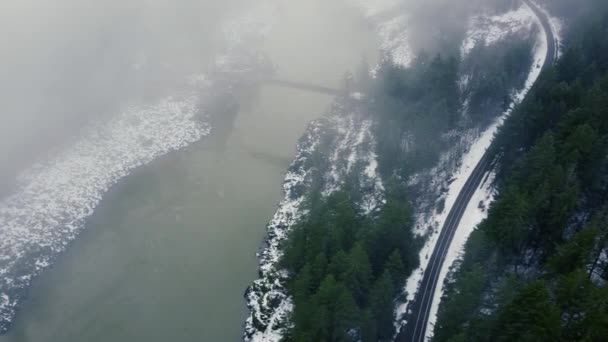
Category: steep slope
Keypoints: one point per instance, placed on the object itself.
(423, 311)
(534, 270)
(371, 174)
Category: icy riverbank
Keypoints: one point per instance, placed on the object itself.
(348, 142)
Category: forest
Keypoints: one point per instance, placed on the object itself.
(346, 268)
(535, 269)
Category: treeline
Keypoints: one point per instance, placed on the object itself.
(347, 269)
(416, 106)
(493, 73)
(412, 108)
(536, 268)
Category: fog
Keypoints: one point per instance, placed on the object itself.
(158, 238)
(64, 62)
(155, 249)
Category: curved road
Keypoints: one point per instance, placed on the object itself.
(415, 330)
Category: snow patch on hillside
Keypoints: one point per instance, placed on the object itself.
(267, 298)
(391, 27)
(348, 140)
(487, 30)
(394, 40)
(355, 151)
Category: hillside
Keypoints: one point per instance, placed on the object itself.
(535, 269)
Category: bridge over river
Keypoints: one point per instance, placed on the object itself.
(268, 80)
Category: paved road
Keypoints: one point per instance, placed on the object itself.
(415, 330)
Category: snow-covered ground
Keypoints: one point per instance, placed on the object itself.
(394, 40)
(484, 195)
(351, 149)
(487, 30)
(391, 25)
(431, 225)
(356, 146)
(55, 197)
(557, 27)
(267, 299)
(354, 143)
(474, 214)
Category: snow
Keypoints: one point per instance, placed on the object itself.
(474, 214)
(391, 26)
(602, 261)
(557, 27)
(357, 96)
(55, 197)
(468, 163)
(487, 30)
(436, 221)
(264, 323)
(351, 146)
(394, 40)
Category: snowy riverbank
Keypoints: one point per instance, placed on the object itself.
(344, 136)
(351, 144)
(55, 197)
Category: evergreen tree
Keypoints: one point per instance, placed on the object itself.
(397, 270)
(358, 275)
(530, 317)
(381, 300)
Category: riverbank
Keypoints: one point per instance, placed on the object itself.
(169, 249)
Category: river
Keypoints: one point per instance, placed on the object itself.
(169, 251)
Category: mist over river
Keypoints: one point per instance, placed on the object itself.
(169, 246)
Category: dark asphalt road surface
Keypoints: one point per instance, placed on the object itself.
(415, 330)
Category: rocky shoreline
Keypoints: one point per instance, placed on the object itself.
(343, 138)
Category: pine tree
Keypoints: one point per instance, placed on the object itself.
(359, 273)
(507, 223)
(397, 270)
(530, 317)
(381, 304)
(339, 265)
